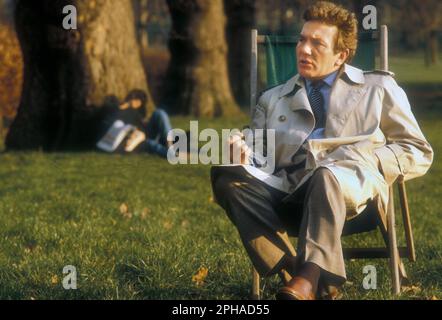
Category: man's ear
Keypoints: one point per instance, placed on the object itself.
(342, 57)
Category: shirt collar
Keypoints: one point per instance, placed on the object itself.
(328, 80)
(355, 75)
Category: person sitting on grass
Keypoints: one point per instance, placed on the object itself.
(150, 137)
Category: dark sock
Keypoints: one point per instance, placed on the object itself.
(310, 272)
(290, 265)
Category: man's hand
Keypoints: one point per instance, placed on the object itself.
(239, 147)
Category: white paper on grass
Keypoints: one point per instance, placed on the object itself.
(114, 136)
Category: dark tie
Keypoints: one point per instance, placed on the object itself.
(317, 103)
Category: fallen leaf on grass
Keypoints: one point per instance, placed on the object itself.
(124, 211)
(411, 289)
(434, 298)
(54, 279)
(200, 276)
(168, 225)
(124, 208)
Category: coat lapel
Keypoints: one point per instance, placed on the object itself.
(346, 94)
(295, 91)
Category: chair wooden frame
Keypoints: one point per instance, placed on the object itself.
(387, 223)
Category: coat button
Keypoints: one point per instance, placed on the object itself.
(282, 119)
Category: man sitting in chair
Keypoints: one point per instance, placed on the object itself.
(343, 136)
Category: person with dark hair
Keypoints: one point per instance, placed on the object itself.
(135, 100)
(133, 110)
(150, 137)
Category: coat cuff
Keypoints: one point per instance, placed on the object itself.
(389, 164)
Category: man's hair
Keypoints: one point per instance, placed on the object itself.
(141, 95)
(336, 15)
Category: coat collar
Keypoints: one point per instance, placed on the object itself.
(353, 74)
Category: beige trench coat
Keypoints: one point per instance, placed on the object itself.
(371, 135)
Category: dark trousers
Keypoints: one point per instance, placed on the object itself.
(265, 217)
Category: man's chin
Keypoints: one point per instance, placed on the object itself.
(306, 74)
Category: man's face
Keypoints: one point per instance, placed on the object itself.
(315, 51)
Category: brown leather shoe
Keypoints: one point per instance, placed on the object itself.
(297, 289)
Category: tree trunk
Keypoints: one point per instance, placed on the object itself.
(240, 21)
(2, 130)
(68, 73)
(197, 80)
(283, 26)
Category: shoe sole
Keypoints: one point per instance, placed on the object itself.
(287, 294)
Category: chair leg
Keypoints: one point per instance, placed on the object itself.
(256, 286)
(392, 243)
(407, 222)
(402, 272)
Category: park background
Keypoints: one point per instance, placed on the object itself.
(134, 226)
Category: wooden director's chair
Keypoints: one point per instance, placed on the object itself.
(371, 219)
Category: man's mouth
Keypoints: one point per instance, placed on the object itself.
(305, 62)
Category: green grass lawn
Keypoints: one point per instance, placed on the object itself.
(65, 209)
(410, 69)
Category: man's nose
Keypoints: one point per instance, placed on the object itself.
(304, 47)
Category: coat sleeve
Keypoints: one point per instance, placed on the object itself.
(407, 153)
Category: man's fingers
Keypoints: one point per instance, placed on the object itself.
(239, 150)
(234, 138)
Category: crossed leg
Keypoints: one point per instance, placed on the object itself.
(263, 215)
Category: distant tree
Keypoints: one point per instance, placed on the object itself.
(11, 75)
(197, 81)
(424, 19)
(286, 15)
(281, 16)
(141, 20)
(68, 73)
(6, 9)
(241, 19)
